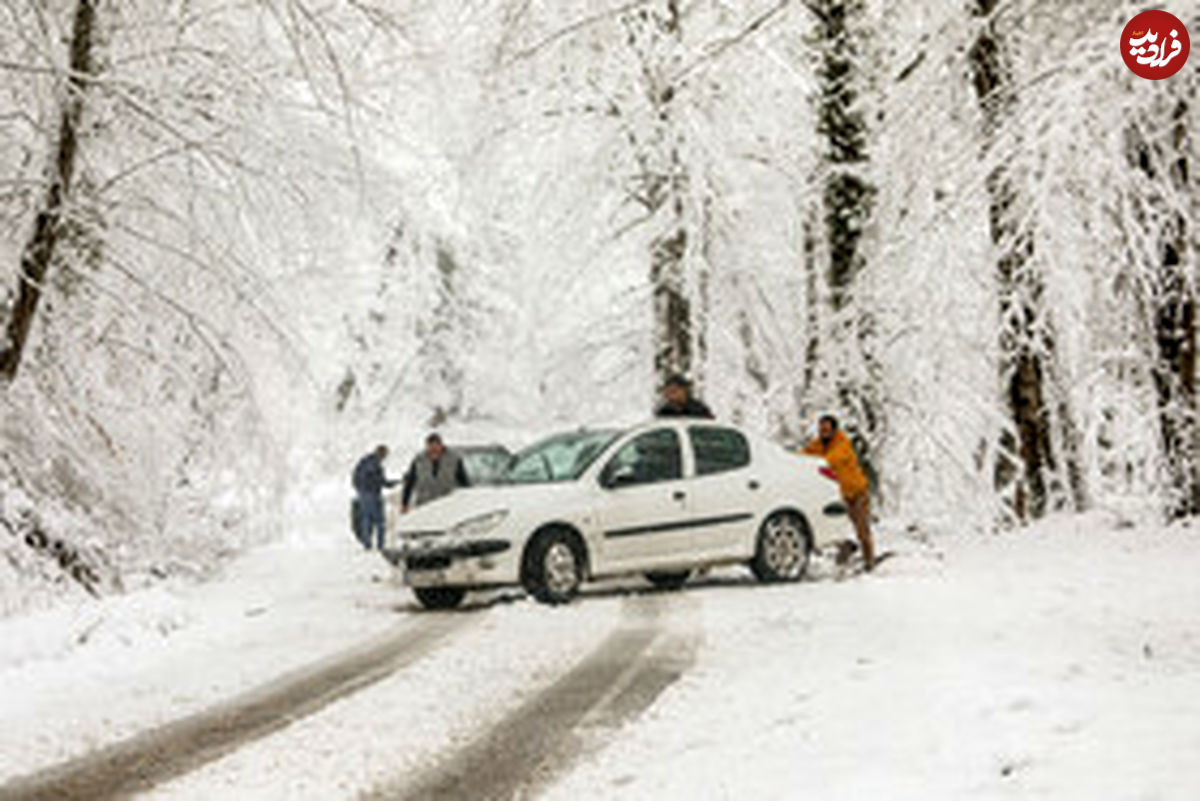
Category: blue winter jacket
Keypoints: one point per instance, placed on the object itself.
(368, 476)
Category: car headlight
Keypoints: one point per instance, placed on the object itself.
(481, 524)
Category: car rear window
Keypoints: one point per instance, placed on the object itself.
(718, 449)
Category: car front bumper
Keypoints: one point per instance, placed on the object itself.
(471, 563)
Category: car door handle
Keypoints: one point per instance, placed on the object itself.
(678, 495)
(753, 484)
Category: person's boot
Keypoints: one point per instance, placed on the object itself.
(845, 549)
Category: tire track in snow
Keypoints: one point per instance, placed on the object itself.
(173, 749)
(614, 683)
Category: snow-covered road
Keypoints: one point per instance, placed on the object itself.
(618, 679)
(154, 756)
(1061, 662)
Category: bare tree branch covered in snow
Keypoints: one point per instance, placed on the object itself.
(184, 145)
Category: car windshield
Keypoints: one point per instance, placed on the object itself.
(485, 464)
(562, 457)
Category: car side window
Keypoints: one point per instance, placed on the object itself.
(718, 449)
(650, 457)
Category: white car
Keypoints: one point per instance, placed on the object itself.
(663, 499)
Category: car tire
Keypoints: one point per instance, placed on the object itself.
(440, 597)
(783, 549)
(553, 566)
(669, 580)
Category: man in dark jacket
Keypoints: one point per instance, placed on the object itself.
(369, 481)
(433, 473)
(678, 400)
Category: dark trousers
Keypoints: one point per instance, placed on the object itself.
(370, 521)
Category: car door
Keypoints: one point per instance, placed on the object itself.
(643, 504)
(724, 491)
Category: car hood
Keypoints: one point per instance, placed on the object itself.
(464, 504)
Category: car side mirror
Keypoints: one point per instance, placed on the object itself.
(621, 476)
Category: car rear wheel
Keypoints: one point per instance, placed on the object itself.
(783, 548)
(669, 580)
(440, 597)
(554, 564)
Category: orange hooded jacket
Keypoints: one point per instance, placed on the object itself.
(840, 456)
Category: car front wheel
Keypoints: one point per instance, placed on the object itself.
(554, 563)
(783, 548)
(440, 597)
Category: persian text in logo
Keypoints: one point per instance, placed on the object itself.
(1155, 45)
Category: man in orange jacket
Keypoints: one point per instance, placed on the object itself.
(835, 446)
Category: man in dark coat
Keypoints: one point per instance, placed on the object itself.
(678, 400)
(433, 473)
(369, 481)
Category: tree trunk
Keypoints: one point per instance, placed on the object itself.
(812, 316)
(703, 282)
(655, 36)
(39, 253)
(846, 194)
(438, 353)
(847, 199)
(1026, 347)
(672, 309)
(668, 268)
(1174, 320)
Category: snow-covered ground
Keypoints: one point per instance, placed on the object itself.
(86, 674)
(1058, 662)
(1061, 662)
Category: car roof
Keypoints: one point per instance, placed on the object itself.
(480, 448)
(680, 423)
(657, 422)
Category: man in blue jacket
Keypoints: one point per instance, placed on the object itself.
(369, 481)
